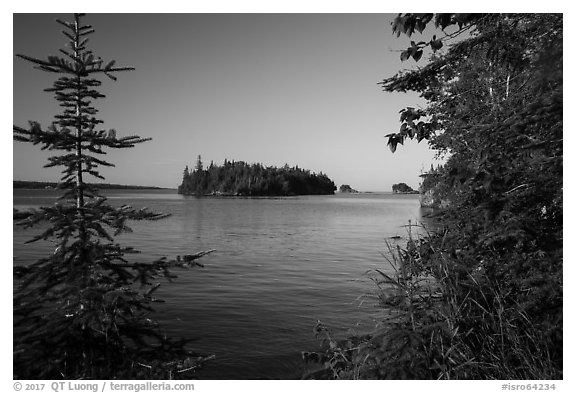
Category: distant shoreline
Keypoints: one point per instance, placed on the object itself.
(21, 184)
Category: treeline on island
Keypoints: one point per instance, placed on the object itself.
(239, 178)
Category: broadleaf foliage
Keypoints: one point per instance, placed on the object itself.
(481, 296)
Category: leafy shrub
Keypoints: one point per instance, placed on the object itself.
(447, 318)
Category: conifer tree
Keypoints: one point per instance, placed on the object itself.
(199, 166)
(78, 312)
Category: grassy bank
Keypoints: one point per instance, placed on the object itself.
(452, 316)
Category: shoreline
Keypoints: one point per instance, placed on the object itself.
(40, 185)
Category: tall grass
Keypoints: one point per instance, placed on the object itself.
(446, 318)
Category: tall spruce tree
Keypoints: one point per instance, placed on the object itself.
(78, 313)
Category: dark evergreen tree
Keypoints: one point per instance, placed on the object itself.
(78, 312)
(199, 166)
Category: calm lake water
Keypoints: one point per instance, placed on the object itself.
(281, 264)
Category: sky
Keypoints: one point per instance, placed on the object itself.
(297, 89)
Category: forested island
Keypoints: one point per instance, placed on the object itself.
(238, 178)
